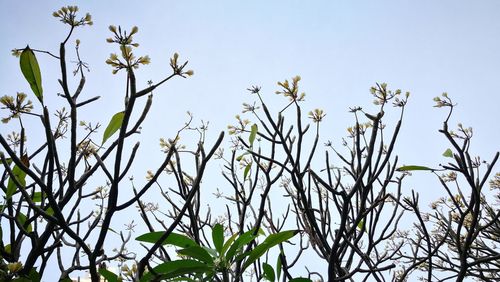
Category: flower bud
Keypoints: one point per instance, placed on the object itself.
(14, 267)
(134, 30)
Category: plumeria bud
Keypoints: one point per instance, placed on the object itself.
(16, 52)
(109, 40)
(134, 30)
(55, 14)
(14, 267)
(189, 72)
(144, 60)
(77, 42)
(112, 28)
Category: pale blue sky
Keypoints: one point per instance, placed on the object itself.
(340, 48)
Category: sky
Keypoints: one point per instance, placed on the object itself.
(339, 48)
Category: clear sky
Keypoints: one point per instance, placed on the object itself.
(340, 49)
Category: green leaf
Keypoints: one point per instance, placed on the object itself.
(268, 272)
(175, 239)
(22, 279)
(253, 134)
(173, 269)
(218, 237)
(413, 167)
(448, 153)
(247, 170)
(49, 211)
(185, 279)
(37, 197)
(110, 276)
(20, 176)
(227, 244)
(31, 71)
(300, 279)
(271, 241)
(278, 266)
(361, 225)
(33, 275)
(22, 219)
(113, 126)
(198, 253)
(240, 157)
(211, 251)
(241, 256)
(241, 241)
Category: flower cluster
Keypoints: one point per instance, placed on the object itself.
(126, 43)
(242, 123)
(443, 101)
(462, 132)
(86, 148)
(166, 145)
(291, 90)
(254, 89)
(16, 106)
(129, 272)
(449, 177)
(358, 129)
(67, 15)
(179, 68)
(495, 182)
(317, 115)
(249, 108)
(383, 95)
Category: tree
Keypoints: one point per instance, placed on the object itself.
(42, 185)
(286, 203)
(459, 236)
